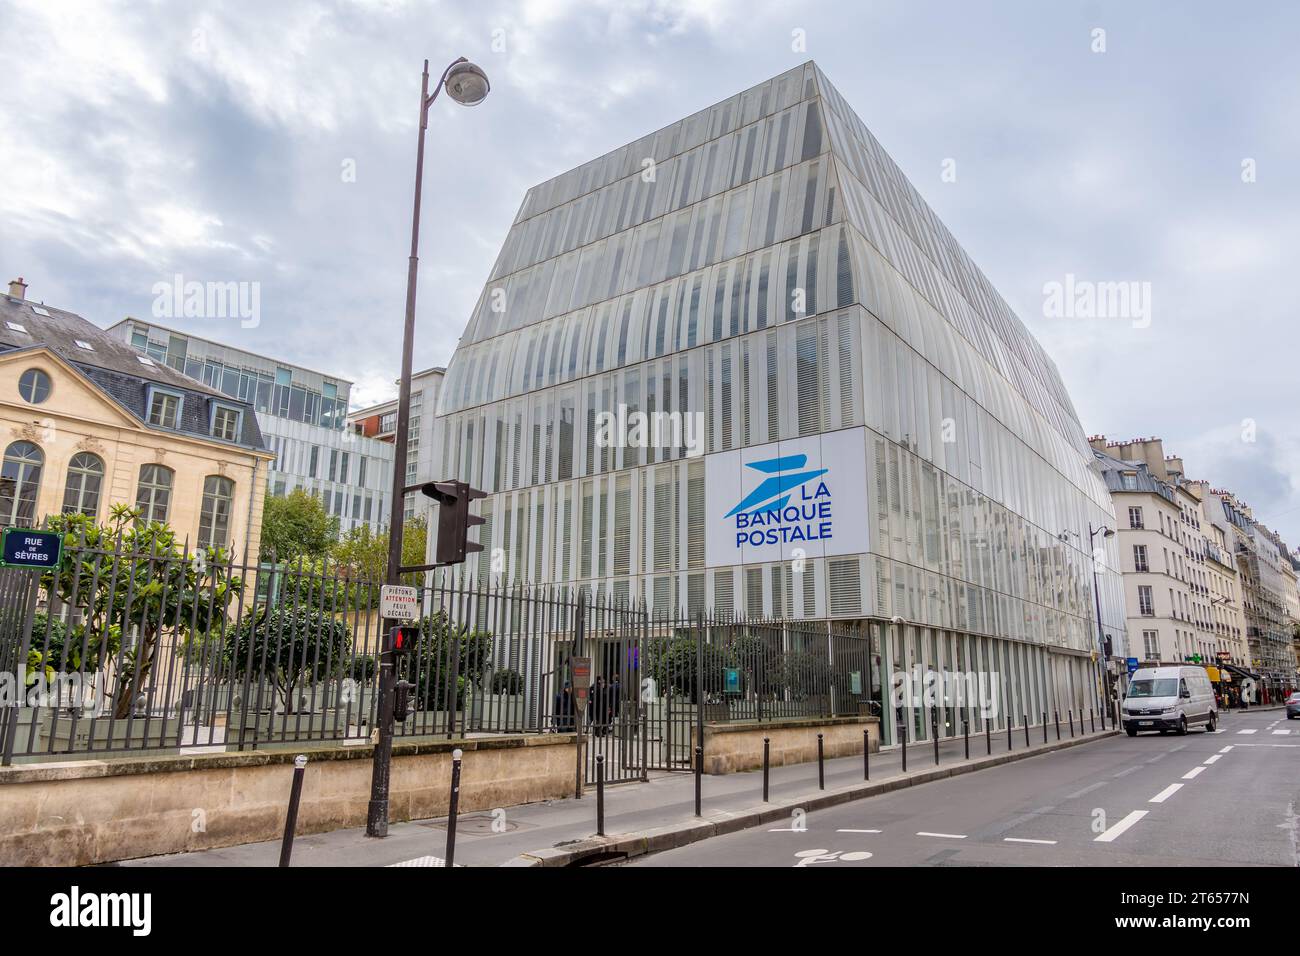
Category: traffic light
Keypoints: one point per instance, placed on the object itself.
(402, 638)
(402, 700)
(454, 519)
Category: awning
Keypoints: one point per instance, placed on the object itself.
(1240, 672)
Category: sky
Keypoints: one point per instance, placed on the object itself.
(1067, 142)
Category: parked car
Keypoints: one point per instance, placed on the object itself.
(1169, 698)
(1293, 705)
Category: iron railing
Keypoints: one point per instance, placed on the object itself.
(172, 650)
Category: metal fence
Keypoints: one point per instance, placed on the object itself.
(167, 650)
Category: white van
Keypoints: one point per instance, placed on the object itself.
(1169, 697)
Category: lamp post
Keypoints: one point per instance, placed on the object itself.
(468, 85)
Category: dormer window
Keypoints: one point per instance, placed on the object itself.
(165, 408)
(227, 422)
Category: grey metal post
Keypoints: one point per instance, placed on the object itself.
(291, 818)
(453, 807)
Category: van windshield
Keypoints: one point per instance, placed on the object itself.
(1164, 687)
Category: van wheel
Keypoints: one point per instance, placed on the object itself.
(1131, 731)
(1213, 724)
(1182, 726)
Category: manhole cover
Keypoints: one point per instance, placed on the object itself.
(481, 824)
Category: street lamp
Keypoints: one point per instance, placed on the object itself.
(468, 85)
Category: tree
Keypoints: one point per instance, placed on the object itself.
(442, 647)
(290, 644)
(297, 524)
(134, 577)
(365, 552)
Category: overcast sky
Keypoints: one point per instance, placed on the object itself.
(218, 141)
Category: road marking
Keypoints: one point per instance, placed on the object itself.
(1087, 789)
(422, 861)
(942, 836)
(1226, 749)
(1283, 731)
(1023, 840)
(1128, 771)
(1118, 829)
(1270, 745)
(857, 831)
(1214, 759)
(789, 830)
(1166, 793)
(1193, 773)
(1249, 730)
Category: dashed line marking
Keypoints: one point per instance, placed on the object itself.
(1215, 759)
(1226, 749)
(1249, 730)
(1166, 793)
(1024, 840)
(1119, 828)
(1123, 773)
(422, 861)
(942, 836)
(1282, 732)
(1087, 789)
(1194, 773)
(857, 831)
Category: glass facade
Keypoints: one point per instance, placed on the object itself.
(761, 279)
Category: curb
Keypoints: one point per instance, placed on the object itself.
(643, 842)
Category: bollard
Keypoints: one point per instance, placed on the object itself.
(699, 773)
(965, 732)
(988, 737)
(1092, 720)
(934, 732)
(1025, 717)
(903, 739)
(866, 756)
(821, 765)
(1008, 731)
(767, 750)
(456, 756)
(1070, 714)
(291, 820)
(600, 794)
(1044, 726)
(1056, 719)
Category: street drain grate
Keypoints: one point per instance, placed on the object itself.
(480, 824)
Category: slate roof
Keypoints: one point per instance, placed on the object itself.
(115, 367)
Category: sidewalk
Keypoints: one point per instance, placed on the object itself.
(639, 817)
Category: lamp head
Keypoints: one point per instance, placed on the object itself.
(467, 84)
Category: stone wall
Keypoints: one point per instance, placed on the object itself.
(79, 812)
(731, 748)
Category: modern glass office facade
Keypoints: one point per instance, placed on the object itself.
(302, 414)
(854, 423)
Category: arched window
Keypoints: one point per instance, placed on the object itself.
(214, 517)
(85, 476)
(155, 492)
(20, 479)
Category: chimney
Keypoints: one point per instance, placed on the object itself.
(17, 288)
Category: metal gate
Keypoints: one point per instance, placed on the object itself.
(18, 589)
(656, 679)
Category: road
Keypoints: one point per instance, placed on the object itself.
(1227, 798)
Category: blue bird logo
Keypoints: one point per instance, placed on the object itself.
(772, 494)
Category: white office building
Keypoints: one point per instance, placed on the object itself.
(303, 416)
(846, 421)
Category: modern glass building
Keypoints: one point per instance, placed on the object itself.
(846, 421)
(302, 414)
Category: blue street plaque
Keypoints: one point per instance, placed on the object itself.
(1132, 665)
(25, 548)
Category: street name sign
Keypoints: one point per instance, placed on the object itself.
(26, 548)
